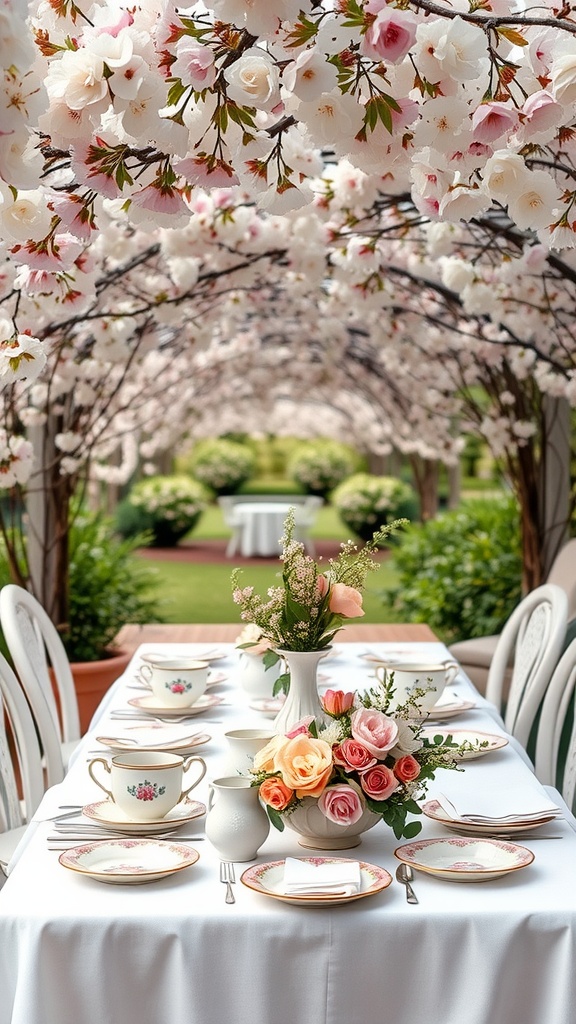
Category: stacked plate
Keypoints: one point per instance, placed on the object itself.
(172, 739)
(487, 827)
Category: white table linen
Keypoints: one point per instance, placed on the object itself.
(261, 527)
(76, 951)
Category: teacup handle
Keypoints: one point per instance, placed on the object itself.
(210, 796)
(100, 760)
(144, 674)
(451, 671)
(185, 767)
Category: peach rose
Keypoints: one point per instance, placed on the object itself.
(305, 764)
(322, 586)
(374, 729)
(345, 601)
(407, 768)
(265, 759)
(353, 756)
(336, 702)
(275, 793)
(379, 782)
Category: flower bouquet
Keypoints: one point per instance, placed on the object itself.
(365, 759)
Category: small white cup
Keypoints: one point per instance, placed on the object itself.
(242, 745)
(146, 785)
(175, 682)
(415, 676)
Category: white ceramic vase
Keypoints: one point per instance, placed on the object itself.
(256, 680)
(236, 823)
(317, 832)
(302, 699)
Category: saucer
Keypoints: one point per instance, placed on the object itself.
(128, 861)
(171, 739)
(214, 678)
(465, 858)
(443, 712)
(210, 655)
(267, 706)
(109, 815)
(434, 810)
(150, 704)
(488, 741)
(268, 879)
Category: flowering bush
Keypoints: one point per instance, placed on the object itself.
(363, 501)
(320, 465)
(306, 612)
(365, 758)
(223, 465)
(167, 506)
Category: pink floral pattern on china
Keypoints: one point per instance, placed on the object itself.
(374, 879)
(91, 858)
(146, 790)
(178, 686)
(518, 856)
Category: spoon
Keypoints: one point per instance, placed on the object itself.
(404, 875)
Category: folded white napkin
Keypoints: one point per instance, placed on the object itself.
(337, 878)
(494, 801)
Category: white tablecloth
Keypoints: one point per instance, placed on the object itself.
(261, 526)
(75, 951)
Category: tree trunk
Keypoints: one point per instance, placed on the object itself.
(425, 473)
(554, 484)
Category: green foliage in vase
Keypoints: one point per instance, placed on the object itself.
(461, 573)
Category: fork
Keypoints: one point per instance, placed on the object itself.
(227, 876)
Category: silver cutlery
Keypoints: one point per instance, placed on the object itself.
(404, 875)
(227, 876)
(72, 813)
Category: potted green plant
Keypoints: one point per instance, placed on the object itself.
(165, 507)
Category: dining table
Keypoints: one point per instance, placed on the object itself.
(76, 951)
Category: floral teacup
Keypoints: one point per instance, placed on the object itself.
(176, 682)
(146, 785)
(432, 678)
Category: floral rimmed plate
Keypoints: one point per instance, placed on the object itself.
(268, 879)
(128, 861)
(268, 706)
(169, 738)
(216, 677)
(433, 809)
(465, 858)
(476, 744)
(445, 711)
(109, 815)
(150, 705)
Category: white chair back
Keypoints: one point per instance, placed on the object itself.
(533, 638)
(33, 640)
(27, 753)
(551, 726)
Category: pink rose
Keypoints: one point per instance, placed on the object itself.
(379, 782)
(322, 586)
(353, 756)
(336, 702)
(374, 729)
(407, 768)
(341, 804)
(345, 601)
(301, 727)
(390, 35)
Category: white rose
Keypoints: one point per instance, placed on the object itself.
(253, 80)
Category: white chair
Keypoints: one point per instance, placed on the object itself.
(553, 719)
(33, 643)
(27, 751)
(532, 638)
(475, 655)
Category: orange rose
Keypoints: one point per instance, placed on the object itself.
(265, 759)
(345, 601)
(275, 793)
(305, 764)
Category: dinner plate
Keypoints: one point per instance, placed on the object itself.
(109, 815)
(478, 743)
(150, 705)
(465, 858)
(171, 739)
(268, 879)
(267, 706)
(434, 810)
(128, 861)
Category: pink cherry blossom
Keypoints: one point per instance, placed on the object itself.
(390, 36)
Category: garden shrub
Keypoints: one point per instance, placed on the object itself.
(167, 507)
(319, 466)
(365, 502)
(222, 465)
(461, 573)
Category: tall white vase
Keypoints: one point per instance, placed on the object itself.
(302, 699)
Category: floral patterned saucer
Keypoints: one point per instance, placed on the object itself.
(465, 858)
(128, 861)
(108, 815)
(474, 744)
(268, 879)
(150, 705)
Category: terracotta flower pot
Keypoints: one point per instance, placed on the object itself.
(92, 679)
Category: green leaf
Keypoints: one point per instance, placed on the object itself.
(275, 818)
(412, 829)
